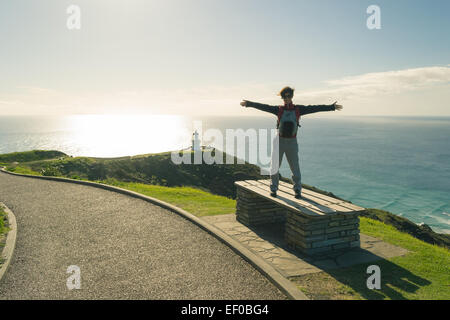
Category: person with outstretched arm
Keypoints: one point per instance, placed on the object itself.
(286, 140)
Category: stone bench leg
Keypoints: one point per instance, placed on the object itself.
(252, 210)
(316, 235)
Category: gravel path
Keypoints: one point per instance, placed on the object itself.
(126, 248)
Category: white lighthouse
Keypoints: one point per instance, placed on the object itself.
(195, 142)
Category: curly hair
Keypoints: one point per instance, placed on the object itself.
(286, 91)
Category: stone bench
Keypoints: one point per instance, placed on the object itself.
(314, 224)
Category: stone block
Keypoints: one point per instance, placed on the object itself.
(307, 234)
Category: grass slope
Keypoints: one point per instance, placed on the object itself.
(28, 156)
(154, 169)
(195, 201)
(423, 274)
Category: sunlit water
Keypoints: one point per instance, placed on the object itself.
(94, 135)
(400, 165)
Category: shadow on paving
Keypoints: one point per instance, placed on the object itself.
(350, 267)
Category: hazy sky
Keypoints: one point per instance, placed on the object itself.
(203, 57)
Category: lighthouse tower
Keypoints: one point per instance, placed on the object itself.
(195, 142)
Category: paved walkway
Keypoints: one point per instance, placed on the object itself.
(126, 248)
(268, 242)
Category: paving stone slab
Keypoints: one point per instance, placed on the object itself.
(269, 243)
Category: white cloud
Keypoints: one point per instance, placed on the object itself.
(373, 89)
(376, 83)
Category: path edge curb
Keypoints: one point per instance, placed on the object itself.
(10, 243)
(275, 277)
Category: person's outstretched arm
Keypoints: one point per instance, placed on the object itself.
(260, 106)
(318, 108)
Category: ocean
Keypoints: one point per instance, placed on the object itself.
(398, 164)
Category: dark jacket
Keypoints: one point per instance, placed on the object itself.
(303, 109)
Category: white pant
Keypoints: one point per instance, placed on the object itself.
(288, 146)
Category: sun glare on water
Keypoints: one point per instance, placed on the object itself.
(124, 135)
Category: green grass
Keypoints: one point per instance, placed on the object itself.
(424, 273)
(22, 169)
(195, 201)
(33, 155)
(425, 263)
(3, 216)
(152, 169)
